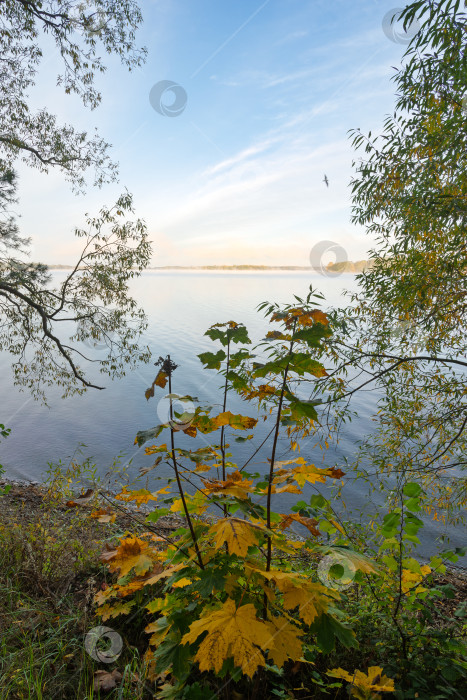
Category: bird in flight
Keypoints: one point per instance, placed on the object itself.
(326, 180)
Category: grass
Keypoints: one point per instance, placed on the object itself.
(49, 573)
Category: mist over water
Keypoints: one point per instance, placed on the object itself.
(181, 306)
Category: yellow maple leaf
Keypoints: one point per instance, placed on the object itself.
(163, 490)
(181, 583)
(363, 684)
(238, 421)
(301, 474)
(139, 496)
(410, 579)
(132, 553)
(136, 584)
(319, 317)
(159, 629)
(286, 644)
(302, 317)
(287, 488)
(311, 604)
(195, 504)
(232, 632)
(107, 611)
(158, 604)
(203, 467)
(101, 596)
(206, 424)
(234, 485)
(166, 573)
(239, 535)
(312, 599)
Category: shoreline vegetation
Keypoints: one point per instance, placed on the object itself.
(337, 267)
(52, 570)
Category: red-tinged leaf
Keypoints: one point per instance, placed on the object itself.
(319, 317)
(309, 523)
(160, 380)
(261, 392)
(336, 473)
(190, 431)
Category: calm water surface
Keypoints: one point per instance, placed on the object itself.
(180, 307)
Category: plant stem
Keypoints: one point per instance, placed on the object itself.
(224, 405)
(274, 447)
(399, 597)
(271, 467)
(177, 475)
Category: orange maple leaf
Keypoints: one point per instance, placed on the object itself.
(310, 523)
(235, 485)
(133, 553)
(139, 496)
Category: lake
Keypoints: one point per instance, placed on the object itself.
(181, 306)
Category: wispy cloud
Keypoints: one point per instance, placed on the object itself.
(272, 93)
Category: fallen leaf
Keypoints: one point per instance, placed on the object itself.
(103, 516)
(105, 680)
(81, 500)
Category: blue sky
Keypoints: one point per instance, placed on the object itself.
(272, 88)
